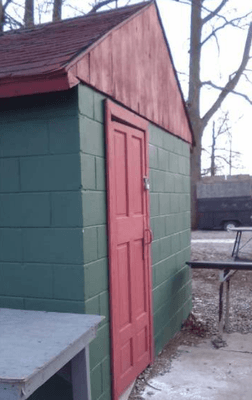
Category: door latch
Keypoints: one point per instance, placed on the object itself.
(146, 183)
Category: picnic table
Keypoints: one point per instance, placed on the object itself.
(34, 345)
(226, 271)
(237, 243)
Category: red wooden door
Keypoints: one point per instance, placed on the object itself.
(129, 236)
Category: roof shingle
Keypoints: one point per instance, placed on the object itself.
(50, 47)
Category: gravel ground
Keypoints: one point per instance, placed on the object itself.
(203, 321)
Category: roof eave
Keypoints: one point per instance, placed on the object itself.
(44, 83)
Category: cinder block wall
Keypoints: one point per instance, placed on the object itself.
(53, 242)
(170, 223)
(93, 176)
(41, 242)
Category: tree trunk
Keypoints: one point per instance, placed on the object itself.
(212, 168)
(195, 173)
(57, 7)
(194, 103)
(29, 14)
(1, 16)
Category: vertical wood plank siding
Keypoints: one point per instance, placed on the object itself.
(133, 66)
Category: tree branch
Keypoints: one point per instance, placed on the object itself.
(97, 6)
(209, 83)
(214, 13)
(231, 84)
(231, 22)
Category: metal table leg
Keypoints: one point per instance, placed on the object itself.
(236, 247)
(227, 305)
(80, 375)
(221, 304)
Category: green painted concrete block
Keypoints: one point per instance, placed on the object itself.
(175, 243)
(160, 318)
(175, 203)
(92, 306)
(104, 305)
(86, 100)
(185, 239)
(68, 282)
(100, 346)
(156, 136)
(160, 272)
(158, 227)
(50, 173)
(25, 210)
(64, 135)
(178, 179)
(90, 238)
(106, 375)
(11, 244)
(155, 251)
(54, 305)
(160, 296)
(94, 208)
(31, 280)
(9, 175)
(187, 183)
(94, 286)
(99, 107)
(91, 137)
(163, 159)
(66, 209)
(185, 149)
(96, 381)
(164, 203)
(169, 182)
(165, 247)
(170, 223)
(173, 163)
(157, 180)
(23, 139)
(99, 305)
(100, 173)
(169, 142)
(88, 171)
(154, 204)
(55, 245)
(153, 156)
(102, 241)
(16, 303)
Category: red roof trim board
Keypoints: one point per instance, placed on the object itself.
(122, 53)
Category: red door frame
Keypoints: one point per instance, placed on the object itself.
(114, 112)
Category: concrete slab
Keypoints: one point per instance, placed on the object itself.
(203, 372)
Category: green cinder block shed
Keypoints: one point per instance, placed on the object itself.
(95, 183)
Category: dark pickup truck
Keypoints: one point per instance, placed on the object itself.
(224, 202)
(225, 212)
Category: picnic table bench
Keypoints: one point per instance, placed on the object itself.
(237, 243)
(34, 345)
(226, 271)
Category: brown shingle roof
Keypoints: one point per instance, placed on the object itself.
(51, 47)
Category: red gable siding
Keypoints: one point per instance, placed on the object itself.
(132, 64)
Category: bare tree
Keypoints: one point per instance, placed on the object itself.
(23, 14)
(197, 41)
(222, 155)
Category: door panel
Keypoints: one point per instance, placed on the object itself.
(129, 261)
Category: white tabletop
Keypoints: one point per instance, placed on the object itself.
(241, 229)
(35, 341)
